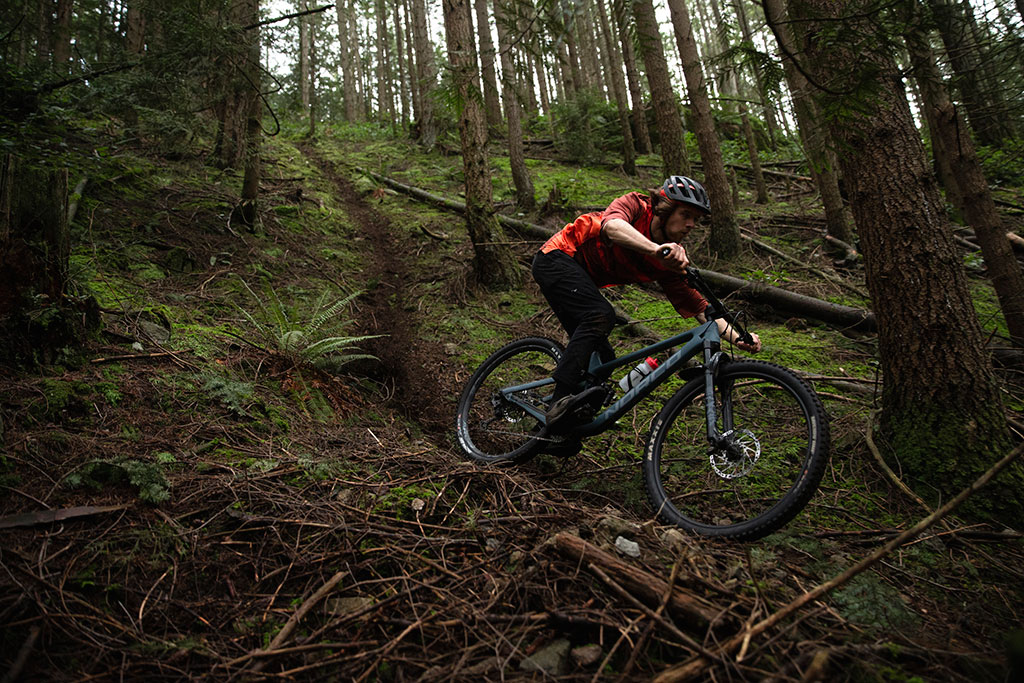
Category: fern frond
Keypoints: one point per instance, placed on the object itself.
(327, 346)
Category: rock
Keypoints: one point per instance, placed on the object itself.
(675, 540)
(552, 660)
(627, 547)
(155, 331)
(612, 526)
(587, 655)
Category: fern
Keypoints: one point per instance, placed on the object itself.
(309, 342)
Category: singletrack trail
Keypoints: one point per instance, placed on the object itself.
(415, 371)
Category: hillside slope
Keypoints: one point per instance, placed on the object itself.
(231, 507)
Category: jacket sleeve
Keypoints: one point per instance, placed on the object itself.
(685, 299)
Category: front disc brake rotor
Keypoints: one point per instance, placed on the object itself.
(739, 457)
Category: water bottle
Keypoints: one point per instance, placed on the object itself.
(638, 373)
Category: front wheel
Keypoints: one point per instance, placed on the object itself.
(770, 463)
(495, 426)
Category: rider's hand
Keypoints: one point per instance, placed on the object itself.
(675, 259)
(752, 347)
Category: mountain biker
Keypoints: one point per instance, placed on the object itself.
(619, 245)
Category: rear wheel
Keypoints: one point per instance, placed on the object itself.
(769, 467)
(492, 427)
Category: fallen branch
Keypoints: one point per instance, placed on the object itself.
(133, 356)
(293, 621)
(697, 666)
(690, 610)
(49, 516)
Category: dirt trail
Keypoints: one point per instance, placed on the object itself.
(414, 369)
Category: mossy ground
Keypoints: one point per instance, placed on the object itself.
(224, 448)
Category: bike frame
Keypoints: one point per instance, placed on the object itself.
(704, 337)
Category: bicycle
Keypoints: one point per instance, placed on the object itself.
(740, 465)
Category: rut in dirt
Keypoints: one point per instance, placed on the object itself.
(414, 370)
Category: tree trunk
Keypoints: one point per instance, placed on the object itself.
(135, 29)
(821, 160)
(618, 92)
(760, 188)
(950, 136)
(248, 207)
(770, 118)
(542, 83)
(670, 128)
(517, 160)
(986, 109)
(38, 323)
(311, 26)
(724, 238)
(62, 36)
(494, 262)
(410, 60)
(383, 77)
(492, 104)
(941, 409)
(579, 76)
(304, 68)
(587, 36)
(403, 96)
(348, 78)
(362, 98)
(641, 134)
(425, 125)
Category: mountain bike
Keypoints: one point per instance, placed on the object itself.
(736, 452)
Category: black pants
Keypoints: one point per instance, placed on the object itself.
(583, 311)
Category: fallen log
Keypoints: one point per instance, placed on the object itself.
(694, 614)
(845, 317)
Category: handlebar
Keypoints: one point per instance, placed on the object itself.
(717, 308)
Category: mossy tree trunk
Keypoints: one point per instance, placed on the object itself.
(494, 263)
(941, 410)
(38, 324)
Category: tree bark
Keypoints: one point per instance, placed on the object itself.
(248, 208)
(770, 117)
(951, 138)
(724, 237)
(618, 85)
(494, 263)
(641, 133)
(492, 104)
(670, 128)
(135, 29)
(760, 188)
(821, 160)
(986, 109)
(62, 36)
(525, 200)
(304, 68)
(425, 74)
(348, 78)
(941, 409)
(403, 95)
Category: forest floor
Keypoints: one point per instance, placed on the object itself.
(191, 499)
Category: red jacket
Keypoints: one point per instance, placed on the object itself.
(609, 264)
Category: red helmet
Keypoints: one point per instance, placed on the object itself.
(680, 188)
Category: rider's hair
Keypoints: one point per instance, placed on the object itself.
(662, 207)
